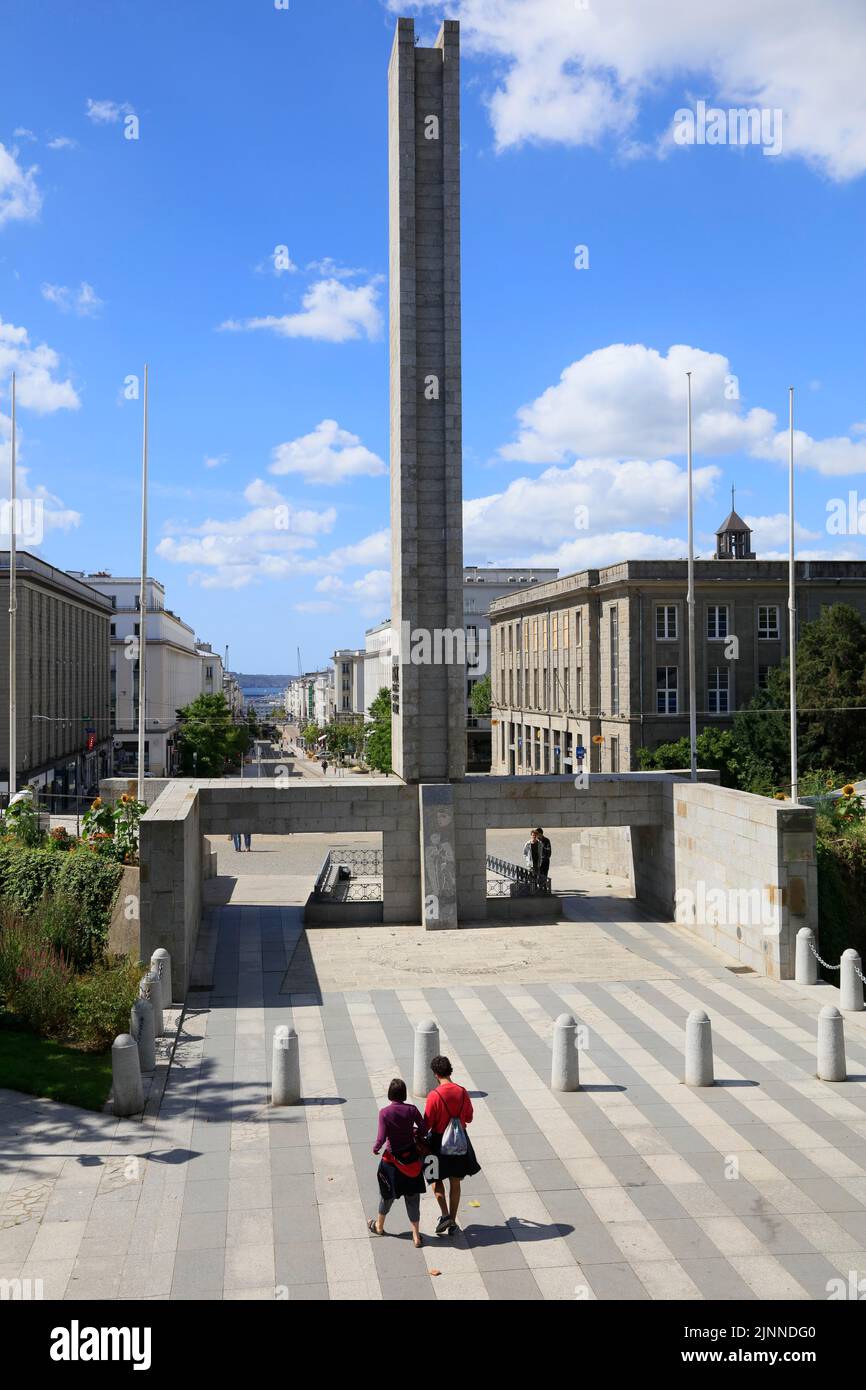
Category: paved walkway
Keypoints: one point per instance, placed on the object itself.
(632, 1188)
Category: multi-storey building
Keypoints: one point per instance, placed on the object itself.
(599, 660)
(178, 670)
(63, 722)
(377, 662)
(348, 684)
(310, 698)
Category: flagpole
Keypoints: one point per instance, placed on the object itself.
(792, 608)
(13, 614)
(142, 605)
(690, 597)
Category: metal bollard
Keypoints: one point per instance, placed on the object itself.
(141, 1028)
(161, 961)
(565, 1068)
(831, 1045)
(152, 987)
(699, 1049)
(426, 1048)
(850, 984)
(805, 963)
(286, 1072)
(127, 1090)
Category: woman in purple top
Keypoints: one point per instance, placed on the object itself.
(399, 1173)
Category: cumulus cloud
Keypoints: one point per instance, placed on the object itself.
(38, 387)
(106, 112)
(327, 455)
(331, 312)
(580, 75)
(368, 593)
(84, 301)
(62, 142)
(20, 199)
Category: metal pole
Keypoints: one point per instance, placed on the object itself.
(690, 598)
(792, 606)
(142, 605)
(13, 607)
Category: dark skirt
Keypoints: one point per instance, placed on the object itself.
(393, 1183)
(451, 1165)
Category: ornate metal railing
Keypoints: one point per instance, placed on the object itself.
(514, 880)
(341, 867)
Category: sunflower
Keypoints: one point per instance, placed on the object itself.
(95, 805)
(780, 796)
(848, 790)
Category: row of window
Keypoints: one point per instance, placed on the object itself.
(718, 688)
(718, 622)
(523, 748)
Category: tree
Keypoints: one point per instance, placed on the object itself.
(831, 683)
(716, 748)
(344, 737)
(209, 740)
(481, 697)
(310, 734)
(378, 732)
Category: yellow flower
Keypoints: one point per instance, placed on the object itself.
(95, 805)
(780, 796)
(124, 799)
(848, 790)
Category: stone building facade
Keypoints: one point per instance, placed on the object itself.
(599, 660)
(63, 721)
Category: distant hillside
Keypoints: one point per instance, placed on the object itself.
(244, 680)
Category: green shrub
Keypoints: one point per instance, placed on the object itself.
(102, 1001)
(36, 981)
(41, 883)
(60, 922)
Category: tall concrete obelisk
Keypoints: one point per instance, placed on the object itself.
(428, 692)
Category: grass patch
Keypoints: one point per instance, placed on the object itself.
(44, 1068)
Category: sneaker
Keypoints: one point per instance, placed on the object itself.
(442, 1225)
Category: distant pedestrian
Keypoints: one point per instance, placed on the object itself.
(399, 1173)
(447, 1113)
(235, 836)
(543, 857)
(325, 766)
(248, 842)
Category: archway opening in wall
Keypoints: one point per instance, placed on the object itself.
(334, 878)
(589, 874)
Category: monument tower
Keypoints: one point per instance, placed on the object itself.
(428, 693)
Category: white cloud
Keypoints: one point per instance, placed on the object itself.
(629, 401)
(37, 385)
(332, 313)
(21, 132)
(368, 593)
(20, 199)
(106, 112)
(62, 142)
(371, 550)
(332, 270)
(268, 541)
(773, 530)
(215, 460)
(84, 301)
(328, 455)
(579, 75)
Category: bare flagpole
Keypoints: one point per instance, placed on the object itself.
(690, 598)
(13, 614)
(142, 605)
(792, 605)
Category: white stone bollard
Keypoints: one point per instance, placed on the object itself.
(152, 986)
(286, 1077)
(426, 1048)
(831, 1045)
(141, 1028)
(565, 1068)
(127, 1090)
(161, 961)
(805, 963)
(699, 1049)
(850, 984)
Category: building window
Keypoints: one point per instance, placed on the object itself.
(565, 691)
(666, 689)
(717, 621)
(717, 690)
(614, 660)
(535, 688)
(566, 625)
(554, 632)
(763, 677)
(614, 755)
(578, 628)
(666, 622)
(768, 623)
(472, 645)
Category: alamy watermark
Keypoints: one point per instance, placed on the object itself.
(441, 646)
(753, 125)
(725, 907)
(26, 515)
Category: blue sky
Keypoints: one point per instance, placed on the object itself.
(260, 128)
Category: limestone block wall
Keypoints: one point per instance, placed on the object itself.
(170, 851)
(605, 852)
(737, 869)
